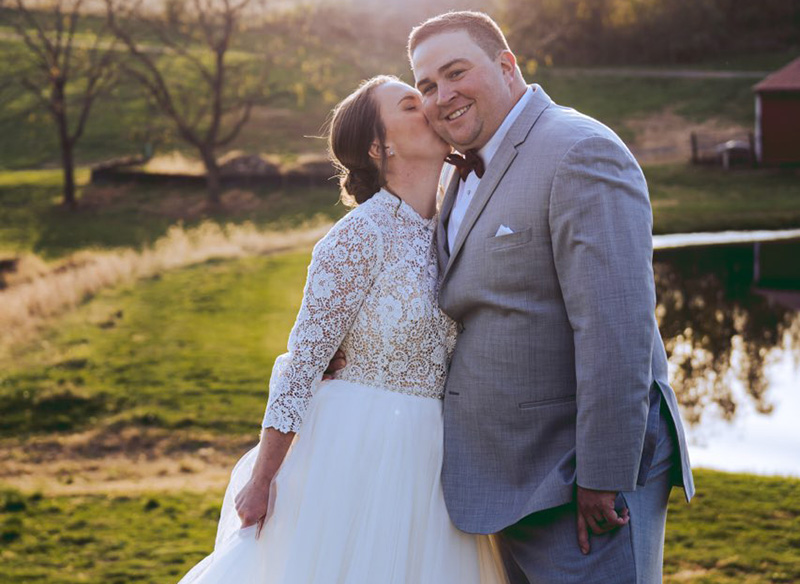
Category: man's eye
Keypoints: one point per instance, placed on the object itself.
(456, 73)
(427, 89)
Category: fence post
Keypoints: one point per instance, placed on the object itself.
(694, 147)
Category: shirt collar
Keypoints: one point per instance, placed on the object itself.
(490, 148)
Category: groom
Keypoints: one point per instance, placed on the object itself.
(562, 433)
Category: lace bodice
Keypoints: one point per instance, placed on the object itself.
(371, 289)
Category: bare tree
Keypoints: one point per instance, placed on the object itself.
(64, 74)
(194, 77)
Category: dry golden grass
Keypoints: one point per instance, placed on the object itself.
(37, 292)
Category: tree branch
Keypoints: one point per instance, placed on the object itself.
(237, 127)
(74, 17)
(36, 91)
(45, 42)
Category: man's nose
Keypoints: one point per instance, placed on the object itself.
(444, 94)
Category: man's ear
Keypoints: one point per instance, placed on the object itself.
(508, 63)
(375, 150)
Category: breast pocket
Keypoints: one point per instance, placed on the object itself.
(500, 242)
(508, 263)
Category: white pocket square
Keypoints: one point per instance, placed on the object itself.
(503, 230)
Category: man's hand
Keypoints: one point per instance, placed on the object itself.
(337, 363)
(596, 512)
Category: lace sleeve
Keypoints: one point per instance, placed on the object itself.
(343, 267)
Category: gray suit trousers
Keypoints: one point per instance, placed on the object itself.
(543, 548)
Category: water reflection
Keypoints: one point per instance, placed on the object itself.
(726, 313)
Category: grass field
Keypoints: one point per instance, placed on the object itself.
(615, 100)
(685, 199)
(123, 122)
(738, 529)
(189, 350)
(121, 125)
(164, 368)
(134, 215)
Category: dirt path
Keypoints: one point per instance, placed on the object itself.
(664, 137)
(131, 461)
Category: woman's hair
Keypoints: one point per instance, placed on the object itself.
(355, 124)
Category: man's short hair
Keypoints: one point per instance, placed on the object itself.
(480, 27)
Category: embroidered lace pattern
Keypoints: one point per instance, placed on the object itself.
(371, 289)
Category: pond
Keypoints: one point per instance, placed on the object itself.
(729, 314)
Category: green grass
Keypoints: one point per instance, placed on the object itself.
(123, 122)
(297, 99)
(150, 538)
(614, 100)
(192, 349)
(688, 199)
(766, 61)
(31, 219)
(739, 528)
(684, 199)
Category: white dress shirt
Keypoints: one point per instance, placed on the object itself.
(467, 188)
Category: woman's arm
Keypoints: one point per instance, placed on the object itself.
(343, 268)
(253, 503)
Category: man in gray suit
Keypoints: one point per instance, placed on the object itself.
(562, 433)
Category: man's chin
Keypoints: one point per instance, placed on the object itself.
(463, 143)
(463, 147)
(456, 141)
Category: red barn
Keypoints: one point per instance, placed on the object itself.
(778, 117)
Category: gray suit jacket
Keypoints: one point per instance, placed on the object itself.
(558, 345)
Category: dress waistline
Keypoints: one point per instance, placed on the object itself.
(411, 391)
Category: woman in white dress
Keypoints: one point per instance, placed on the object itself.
(346, 479)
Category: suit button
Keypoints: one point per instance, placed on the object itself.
(460, 327)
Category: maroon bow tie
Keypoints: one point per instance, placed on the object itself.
(466, 164)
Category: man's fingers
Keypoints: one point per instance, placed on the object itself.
(612, 519)
(338, 362)
(334, 366)
(583, 535)
(596, 526)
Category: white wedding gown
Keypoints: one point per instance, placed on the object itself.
(358, 499)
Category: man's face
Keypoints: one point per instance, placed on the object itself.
(466, 94)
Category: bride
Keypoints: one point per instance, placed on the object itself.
(344, 486)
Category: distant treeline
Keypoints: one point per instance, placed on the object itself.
(596, 32)
(573, 32)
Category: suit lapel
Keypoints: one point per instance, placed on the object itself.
(444, 216)
(495, 171)
(497, 168)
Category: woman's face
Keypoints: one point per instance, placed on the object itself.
(408, 133)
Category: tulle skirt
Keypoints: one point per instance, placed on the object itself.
(358, 500)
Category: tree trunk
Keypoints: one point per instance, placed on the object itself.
(67, 155)
(68, 165)
(213, 183)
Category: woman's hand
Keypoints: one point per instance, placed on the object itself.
(252, 503)
(255, 501)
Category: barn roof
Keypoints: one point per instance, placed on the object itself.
(786, 79)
